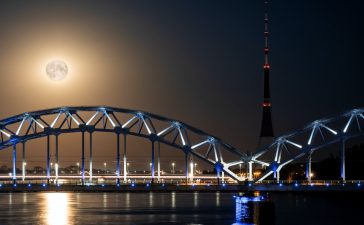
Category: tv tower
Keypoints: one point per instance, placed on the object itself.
(266, 130)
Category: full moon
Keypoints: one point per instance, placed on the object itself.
(57, 70)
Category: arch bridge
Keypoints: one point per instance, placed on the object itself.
(157, 129)
(301, 144)
(123, 123)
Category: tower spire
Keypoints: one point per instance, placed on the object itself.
(267, 127)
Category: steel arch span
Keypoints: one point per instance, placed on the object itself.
(122, 122)
(313, 137)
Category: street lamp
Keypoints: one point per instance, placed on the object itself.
(105, 164)
(173, 164)
(195, 168)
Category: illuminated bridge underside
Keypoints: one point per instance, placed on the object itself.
(122, 122)
(302, 143)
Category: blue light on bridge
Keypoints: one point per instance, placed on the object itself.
(29, 185)
(14, 185)
(224, 184)
(296, 184)
(359, 184)
(133, 184)
(250, 184)
(327, 184)
(1, 185)
(147, 184)
(44, 185)
(102, 185)
(280, 184)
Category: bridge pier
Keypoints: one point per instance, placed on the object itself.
(343, 175)
(186, 167)
(83, 159)
(159, 162)
(56, 165)
(14, 164)
(218, 171)
(48, 160)
(124, 159)
(152, 166)
(277, 176)
(118, 158)
(90, 169)
(250, 164)
(23, 163)
(308, 168)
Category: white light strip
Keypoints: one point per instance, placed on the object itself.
(199, 144)
(146, 125)
(129, 121)
(347, 125)
(261, 162)
(215, 153)
(294, 144)
(165, 130)
(39, 124)
(56, 119)
(2, 131)
(277, 150)
(311, 136)
(92, 118)
(111, 121)
(329, 129)
(74, 119)
(180, 134)
(20, 126)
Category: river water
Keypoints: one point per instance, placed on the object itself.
(173, 208)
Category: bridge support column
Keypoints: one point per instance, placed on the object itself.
(308, 168)
(23, 163)
(124, 159)
(83, 159)
(218, 172)
(90, 171)
(250, 164)
(56, 166)
(343, 175)
(48, 160)
(159, 162)
(118, 158)
(186, 167)
(152, 166)
(278, 176)
(14, 164)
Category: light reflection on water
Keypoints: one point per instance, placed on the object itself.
(57, 209)
(105, 208)
(171, 208)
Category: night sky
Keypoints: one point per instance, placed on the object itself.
(196, 61)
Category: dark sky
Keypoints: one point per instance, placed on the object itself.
(196, 61)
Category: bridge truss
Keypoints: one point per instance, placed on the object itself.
(157, 129)
(123, 123)
(303, 143)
